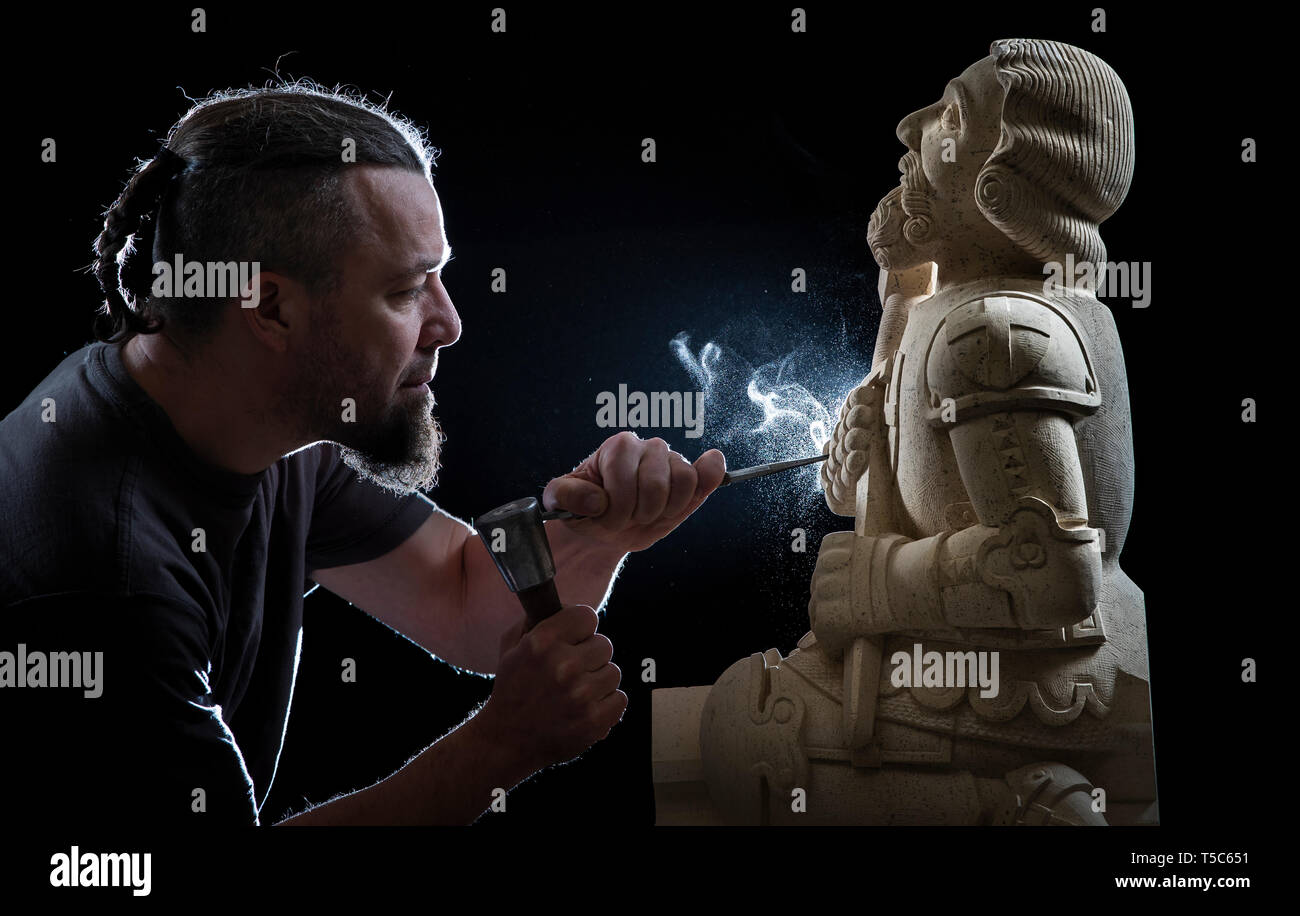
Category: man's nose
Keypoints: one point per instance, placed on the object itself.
(442, 325)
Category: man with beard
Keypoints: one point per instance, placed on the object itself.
(174, 488)
(981, 460)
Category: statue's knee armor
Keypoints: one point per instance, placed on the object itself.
(749, 738)
(1049, 794)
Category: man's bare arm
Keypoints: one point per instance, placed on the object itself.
(451, 782)
(441, 589)
(555, 695)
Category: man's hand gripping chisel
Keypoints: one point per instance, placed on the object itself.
(515, 537)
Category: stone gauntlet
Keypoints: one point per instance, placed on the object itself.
(1030, 574)
(849, 446)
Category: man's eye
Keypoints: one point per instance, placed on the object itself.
(949, 117)
(409, 295)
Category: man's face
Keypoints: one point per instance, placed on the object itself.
(380, 331)
(948, 144)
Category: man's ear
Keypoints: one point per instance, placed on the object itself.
(273, 305)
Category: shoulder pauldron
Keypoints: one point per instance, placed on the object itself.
(1010, 351)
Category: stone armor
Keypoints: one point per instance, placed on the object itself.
(1073, 697)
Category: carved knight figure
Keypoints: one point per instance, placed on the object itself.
(987, 461)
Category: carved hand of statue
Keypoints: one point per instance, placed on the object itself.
(831, 606)
(855, 587)
(849, 447)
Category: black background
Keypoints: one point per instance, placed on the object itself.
(773, 148)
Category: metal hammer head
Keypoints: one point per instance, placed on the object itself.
(516, 538)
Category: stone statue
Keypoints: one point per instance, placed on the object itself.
(977, 655)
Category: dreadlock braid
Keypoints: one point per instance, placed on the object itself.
(124, 250)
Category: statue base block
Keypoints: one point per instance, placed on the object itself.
(681, 798)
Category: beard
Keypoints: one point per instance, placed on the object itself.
(389, 438)
(901, 233)
(402, 452)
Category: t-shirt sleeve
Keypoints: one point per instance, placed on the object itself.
(354, 520)
(108, 717)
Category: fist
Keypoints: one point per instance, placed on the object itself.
(849, 448)
(832, 587)
(633, 491)
(556, 692)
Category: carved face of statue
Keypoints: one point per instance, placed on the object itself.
(955, 136)
(948, 143)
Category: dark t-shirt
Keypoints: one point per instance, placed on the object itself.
(116, 538)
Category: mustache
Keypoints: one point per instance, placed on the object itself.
(886, 224)
(917, 200)
(916, 188)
